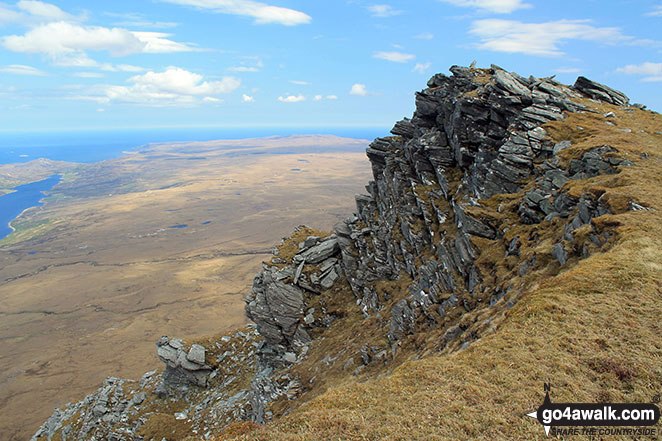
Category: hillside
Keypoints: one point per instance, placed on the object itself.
(510, 238)
(12, 175)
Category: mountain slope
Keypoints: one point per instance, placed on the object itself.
(509, 239)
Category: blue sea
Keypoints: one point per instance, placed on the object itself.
(97, 145)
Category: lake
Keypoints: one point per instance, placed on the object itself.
(25, 196)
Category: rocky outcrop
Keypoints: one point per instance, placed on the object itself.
(470, 199)
(277, 301)
(183, 366)
(120, 409)
(474, 135)
(601, 92)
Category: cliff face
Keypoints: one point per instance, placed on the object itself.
(486, 191)
(440, 211)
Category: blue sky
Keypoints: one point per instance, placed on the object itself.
(182, 63)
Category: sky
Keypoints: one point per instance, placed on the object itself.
(307, 63)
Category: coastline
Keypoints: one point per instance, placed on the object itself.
(9, 224)
(40, 203)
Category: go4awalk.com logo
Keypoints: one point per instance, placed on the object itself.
(597, 419)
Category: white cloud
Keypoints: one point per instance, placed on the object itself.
(292, 99)
(383, 11)
(33, 13)
(651, 71)
(497, 6)
(157, 43)
(89, 75)
(139, 21)
(250, 64)
(243, 69)
(540, 38)
(66, 43)
(358, 89)
(421, 67)
(300, 83)
(656, 12)
(247, 99)
(8, 15)
(211, 99)
(261, 12)
(425, 36)
(172, 87)
(44, 11)
(322, 97)
(19, 69)
(396, 57)
(121, 68)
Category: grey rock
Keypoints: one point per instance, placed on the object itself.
(508, 83)
(452, 333)
(297, 274)
(328, 281)
(319, 252)
(309, 242)
(638, 207)
(560, 253)
(196, 354)
(402, 321)
(560, 146)
(601, 92)
(404, 128)
(276, 308)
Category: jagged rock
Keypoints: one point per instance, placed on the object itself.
(182, 368)
(513, 247)
(404, 128)
(402, 321)
(560, 253)
(309, 242)
(330, 278)
(276, 308)
(196, 354)
(601, 92)
(560, 146)
(320, 252)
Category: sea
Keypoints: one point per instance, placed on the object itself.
(96, 145)
(88, 146)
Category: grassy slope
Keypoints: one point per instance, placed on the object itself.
(593, 330)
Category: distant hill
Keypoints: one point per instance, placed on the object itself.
(12, 175)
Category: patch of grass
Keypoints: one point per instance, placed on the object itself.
(27, 229)
(161, 426)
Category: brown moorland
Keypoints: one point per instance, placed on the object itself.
(161, 242)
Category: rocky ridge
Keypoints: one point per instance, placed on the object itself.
(472, 199)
